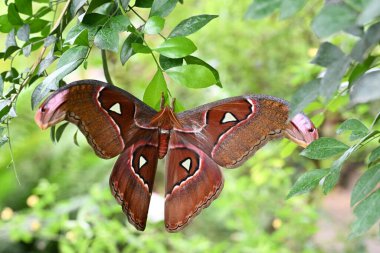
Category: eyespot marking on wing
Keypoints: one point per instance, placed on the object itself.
(116, 108)
(142, 161)
(186, 164)
(228, 117)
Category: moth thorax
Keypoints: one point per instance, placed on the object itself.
(163, 143)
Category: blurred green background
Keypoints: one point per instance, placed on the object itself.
(63, 202)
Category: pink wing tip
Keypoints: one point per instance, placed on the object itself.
(301, 130)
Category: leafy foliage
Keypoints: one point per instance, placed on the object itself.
(61, 36)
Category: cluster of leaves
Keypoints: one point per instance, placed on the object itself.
(355, 74)
(97, 24)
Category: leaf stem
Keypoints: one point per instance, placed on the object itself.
(105, 67)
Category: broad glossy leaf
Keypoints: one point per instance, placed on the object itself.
(307, 182)
(366, 184)
(367, 213)
(144, 3)
(94, 19)
(366, 88)
(332, 177)
(369, 40)
(154, 25)
(358, 129)
(191, 25)
(11, 40)
(5, 25)
(176, 47)
(374, 156)
(324, 148)
(327, 54)
(95, 4)
(76, 5)
(167, 63)
(51, 81)
(333, 77)
(156, 88)
(78, 31)
(290, 7)
(71, 55)
(333, 18)
(360, 69)
(49, 40)
(59, 132)
(24, 6)
(162, 8)
(13, 16)
(37, 25)
(23, 32)
(370, 12)
(195, 60)
(119, 23)
(262, 8)
(192, 76)
(107, 39)
(304, 96)
(140, 48)
(45, 63)
(127, 50)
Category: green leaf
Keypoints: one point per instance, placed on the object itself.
(332, 177)
(119, 23)
(177, 47)
(127, 50)
(94, 19)
(360, 69)
(49, 40)
(290, 7)
(192, 76)
(107, 39)
(262, 8)
(79, 31)
(72, 54)
(327, 54)
(51, 81)
(140, 48)
(333, 77)
(23, 32)
(13, 16)
(191, 25)
(167, 63)
(333, 18)
(324, 148)
(37, 25)
(11, 40)
(304, 96)
(370, 12)
(45, 63)
(24, 6)
(365, 185)
(367, 213)
(154, 25)
(75, 6)
(59, 132)
(5, 25)
(307, 182)
(156, 88)
(162, 8)
(365, 89)
(195, 60)
(358, 129)
(95, 4)
(144, 3)
(374, 156)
